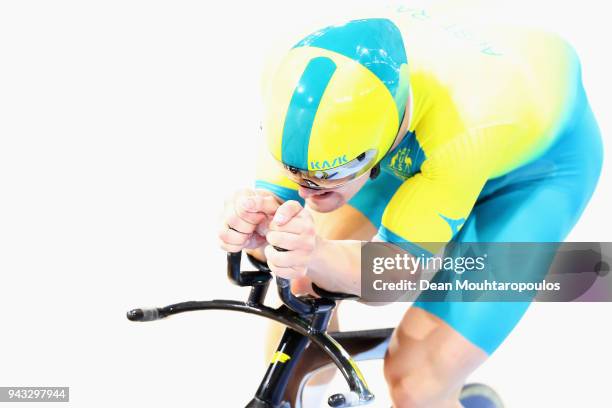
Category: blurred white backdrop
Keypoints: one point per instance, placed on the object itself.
(123, 125)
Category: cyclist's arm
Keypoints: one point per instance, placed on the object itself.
(336, 266)
(423, 215)
(430, 207)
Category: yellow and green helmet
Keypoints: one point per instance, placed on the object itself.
(335, 104)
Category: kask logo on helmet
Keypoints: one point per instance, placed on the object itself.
(325, 164)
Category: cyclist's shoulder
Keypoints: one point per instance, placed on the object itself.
(434, 37)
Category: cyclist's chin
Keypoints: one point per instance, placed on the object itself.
(326, 202)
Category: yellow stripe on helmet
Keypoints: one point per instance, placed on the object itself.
(356, 113)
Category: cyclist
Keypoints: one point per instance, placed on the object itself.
(409, 130)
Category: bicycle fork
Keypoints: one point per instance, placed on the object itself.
(272, 388)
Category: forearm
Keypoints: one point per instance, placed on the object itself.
(336, 266)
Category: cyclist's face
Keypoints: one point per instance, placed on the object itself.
(330, 199)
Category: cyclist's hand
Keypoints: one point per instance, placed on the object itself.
(293, 229)
(245, 221)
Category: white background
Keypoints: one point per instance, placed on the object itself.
(123, 125)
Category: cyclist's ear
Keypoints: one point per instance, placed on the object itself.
(375, 171)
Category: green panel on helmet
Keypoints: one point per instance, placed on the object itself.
(302, 111)
(376, 44)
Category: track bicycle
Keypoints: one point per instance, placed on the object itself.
(306, 347)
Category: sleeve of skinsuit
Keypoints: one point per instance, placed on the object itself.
(269, 176)
(429, 208)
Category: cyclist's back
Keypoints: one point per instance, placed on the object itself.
(512, 84)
